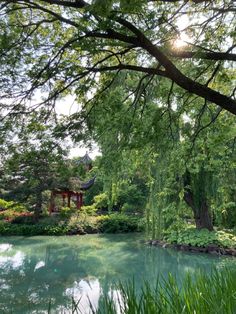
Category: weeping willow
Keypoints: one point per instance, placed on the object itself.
(156, 202)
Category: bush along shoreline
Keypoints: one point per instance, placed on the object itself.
(199, 241)
(73, 225)
(16, 220)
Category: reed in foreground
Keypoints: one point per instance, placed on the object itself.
(199, 294)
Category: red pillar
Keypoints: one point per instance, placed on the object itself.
(81, 200)
(68, 200)
(77, 200)
(63, 200)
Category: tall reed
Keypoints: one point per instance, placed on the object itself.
(199, 294)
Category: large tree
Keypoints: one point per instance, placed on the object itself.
(55, 46)
(184, 158)
(104, 50)
(34, 162)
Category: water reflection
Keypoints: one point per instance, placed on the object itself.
(41, 272)
(5, 247)
(86, 292)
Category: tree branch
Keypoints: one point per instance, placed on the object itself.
(137, 38)
(203, 55)
(151, 71)
(176, 75)
(78, 4)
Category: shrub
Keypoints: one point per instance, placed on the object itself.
(82, 223)
(116, 223)
(12, 215)
(76, 224)
(66, 212)
(90, 209)
(129, 208)
(32, 230)
(101, 201)
(202, 238)
(50, 220)
(5, 205)
(24, 218)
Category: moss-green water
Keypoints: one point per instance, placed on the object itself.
(38, 273)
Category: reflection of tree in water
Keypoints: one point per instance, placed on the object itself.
(52, 269)
(19, 291)
(30, 287)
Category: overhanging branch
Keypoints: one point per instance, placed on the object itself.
(176, 75)
(133, 36)
(79, 4)
(151, 71)
(217, 56)
(69, 3)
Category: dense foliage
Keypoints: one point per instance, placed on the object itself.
(203, 238)
(24, 224)
(154, 84)
(137, 39)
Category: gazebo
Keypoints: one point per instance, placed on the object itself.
(86, 161)
(67, 194)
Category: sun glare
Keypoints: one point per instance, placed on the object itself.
(182, 41)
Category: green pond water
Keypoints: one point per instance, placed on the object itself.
(38, 271)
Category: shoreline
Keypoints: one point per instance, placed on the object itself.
(210, 249)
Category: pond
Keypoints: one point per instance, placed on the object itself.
(41, 272)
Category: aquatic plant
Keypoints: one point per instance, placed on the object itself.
(200, 294)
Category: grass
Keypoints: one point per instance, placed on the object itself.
(201, 294)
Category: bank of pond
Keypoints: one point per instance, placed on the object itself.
(185, 237)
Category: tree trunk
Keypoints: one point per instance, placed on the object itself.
(38, 205)
(203, 218)
(202, 215)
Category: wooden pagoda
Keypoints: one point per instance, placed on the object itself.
(67, 194)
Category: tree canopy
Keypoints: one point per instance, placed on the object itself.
(59, 47)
